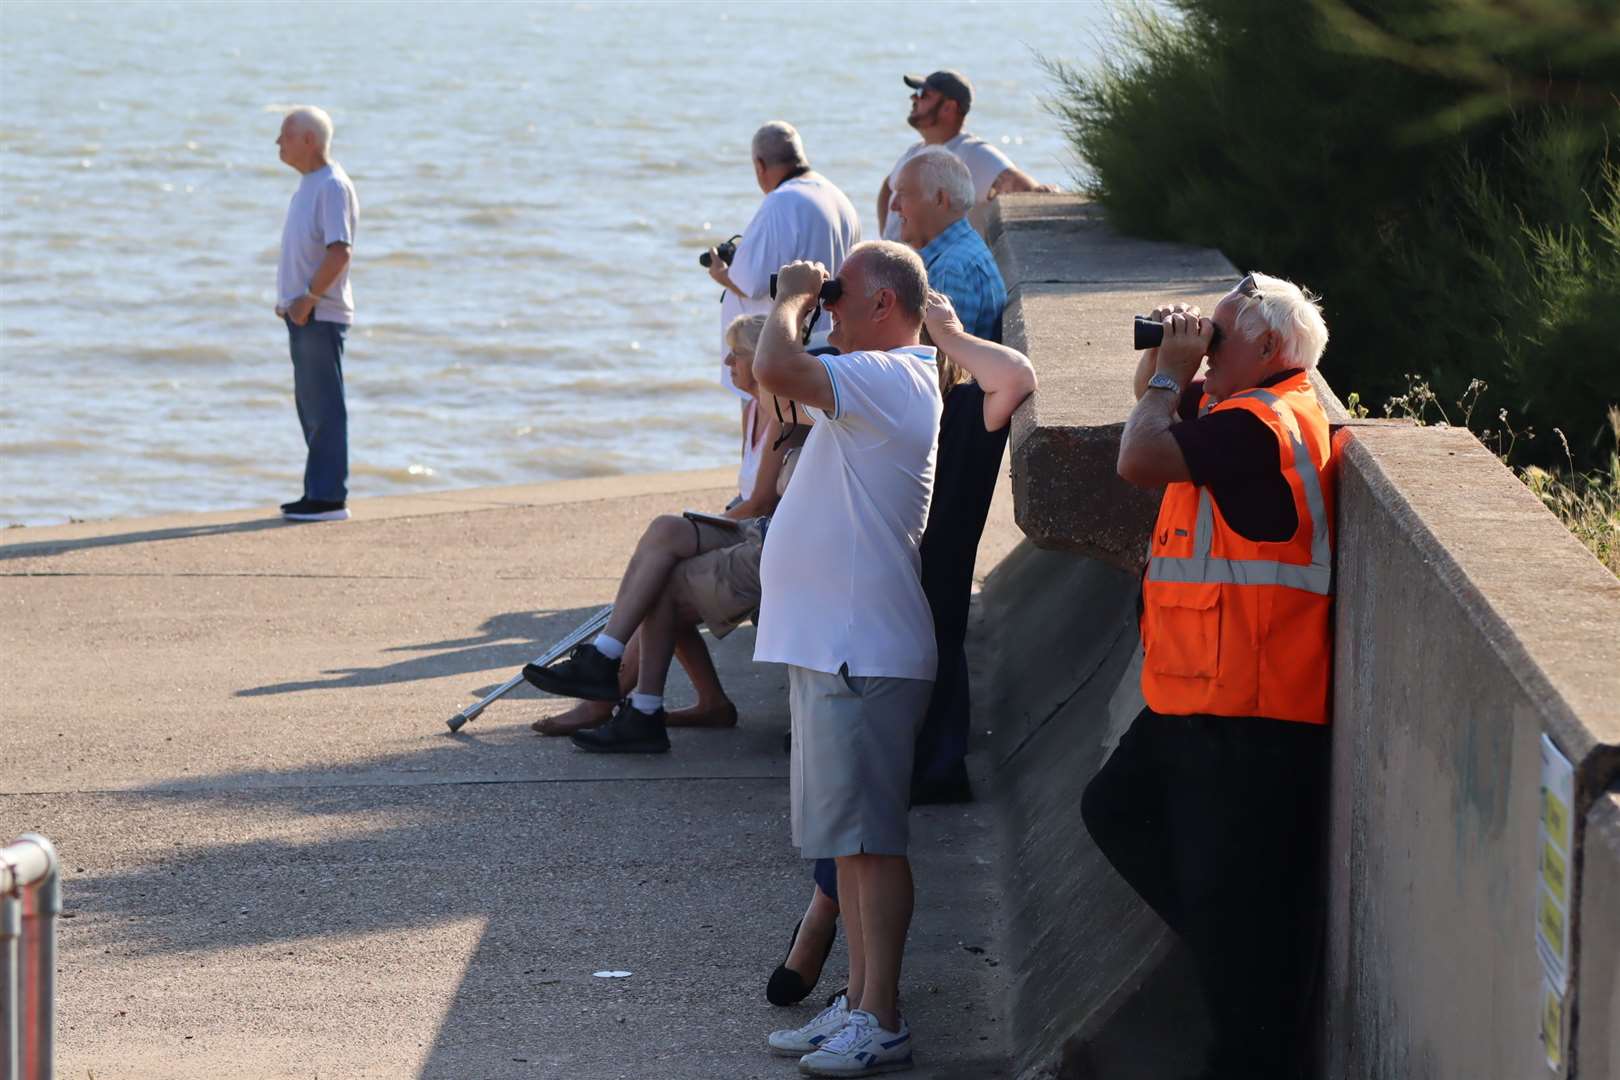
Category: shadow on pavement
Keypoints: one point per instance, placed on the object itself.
(570, 873)
(44, 548)
(504, 641)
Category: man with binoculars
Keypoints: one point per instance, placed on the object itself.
(842, 604)
(1212, 806)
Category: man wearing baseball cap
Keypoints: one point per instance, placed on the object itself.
(939, 107)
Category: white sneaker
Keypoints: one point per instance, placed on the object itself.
(861, 1049)
(797, 1042)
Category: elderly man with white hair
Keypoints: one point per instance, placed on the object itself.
(933, 193)
(315, 302)
(804, 217)
(1212, 806)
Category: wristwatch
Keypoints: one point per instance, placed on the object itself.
(1161, 381)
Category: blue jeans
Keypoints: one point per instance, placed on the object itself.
(317, 359)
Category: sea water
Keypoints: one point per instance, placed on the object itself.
(536, 182)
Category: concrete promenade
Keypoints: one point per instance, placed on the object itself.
(278, 863)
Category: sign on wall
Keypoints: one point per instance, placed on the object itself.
(1554, 891)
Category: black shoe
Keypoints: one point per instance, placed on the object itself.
(787, 987)
(628, 731)
(953, 787)
(295, 504)
(585, 674)
(315, 510)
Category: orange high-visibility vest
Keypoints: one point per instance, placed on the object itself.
(1235, 627)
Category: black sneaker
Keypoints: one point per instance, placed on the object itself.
(628, 731)
(315, 510)
(585, 674)
(295, 504)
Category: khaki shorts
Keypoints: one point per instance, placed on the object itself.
(849, 783)
(721, 582)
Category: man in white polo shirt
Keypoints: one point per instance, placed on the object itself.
(804, 216)
(939, 108)
(314, 300)
(842, 605)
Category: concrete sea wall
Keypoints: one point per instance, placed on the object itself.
(1477, 660)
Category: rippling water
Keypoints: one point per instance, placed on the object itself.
(535, 183)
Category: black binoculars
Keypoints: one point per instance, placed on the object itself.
(1150, 334)
(831, 290)
(726, 249)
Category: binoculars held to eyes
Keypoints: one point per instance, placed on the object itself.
(831, 290)
(726, 249)
(1150, 334)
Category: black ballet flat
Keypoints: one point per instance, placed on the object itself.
(787, 987)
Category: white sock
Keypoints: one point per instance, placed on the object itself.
(609, 647)
(647, 703)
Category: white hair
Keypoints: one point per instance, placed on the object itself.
(894, 266)
(940, 170)
(777, 143)
(744, 331)
(313, 119)
(1292, 313)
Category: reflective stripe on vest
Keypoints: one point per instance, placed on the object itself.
(1200, 568)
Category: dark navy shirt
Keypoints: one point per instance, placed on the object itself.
(1236, 456)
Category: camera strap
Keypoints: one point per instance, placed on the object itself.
(787, 432)
(793, 406)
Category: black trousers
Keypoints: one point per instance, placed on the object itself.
(1219, 823)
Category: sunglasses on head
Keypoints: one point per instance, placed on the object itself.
(1248, 288)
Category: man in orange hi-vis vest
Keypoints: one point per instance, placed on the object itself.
(1212, 806)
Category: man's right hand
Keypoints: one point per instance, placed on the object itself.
(799, 280)
(1186, 342)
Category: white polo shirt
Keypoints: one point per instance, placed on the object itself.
(984, 162)
(840, 576)
(804, 218)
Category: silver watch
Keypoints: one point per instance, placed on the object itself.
(1161, 381)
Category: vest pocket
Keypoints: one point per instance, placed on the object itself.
(1186, 624)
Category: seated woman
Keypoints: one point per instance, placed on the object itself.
(606, 670)
(983, 383)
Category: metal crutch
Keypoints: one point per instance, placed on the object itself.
(589, 628)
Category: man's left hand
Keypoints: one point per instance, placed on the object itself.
(300, 310)
(799, 280)
(940, 317)
(1186, 341)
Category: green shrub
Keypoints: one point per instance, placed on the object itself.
(1442, 172)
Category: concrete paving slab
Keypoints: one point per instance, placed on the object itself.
(280, 864)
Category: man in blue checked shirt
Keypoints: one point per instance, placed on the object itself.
(932, 196)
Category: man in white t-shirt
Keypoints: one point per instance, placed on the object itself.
(315, 302)
(939, 108)
(841, 603)
(804, 216)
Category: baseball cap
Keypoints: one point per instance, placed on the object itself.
(951, 84)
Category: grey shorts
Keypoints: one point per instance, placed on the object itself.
(850, 775)
(721, 582)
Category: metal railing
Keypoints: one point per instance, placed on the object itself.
(30, 900)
